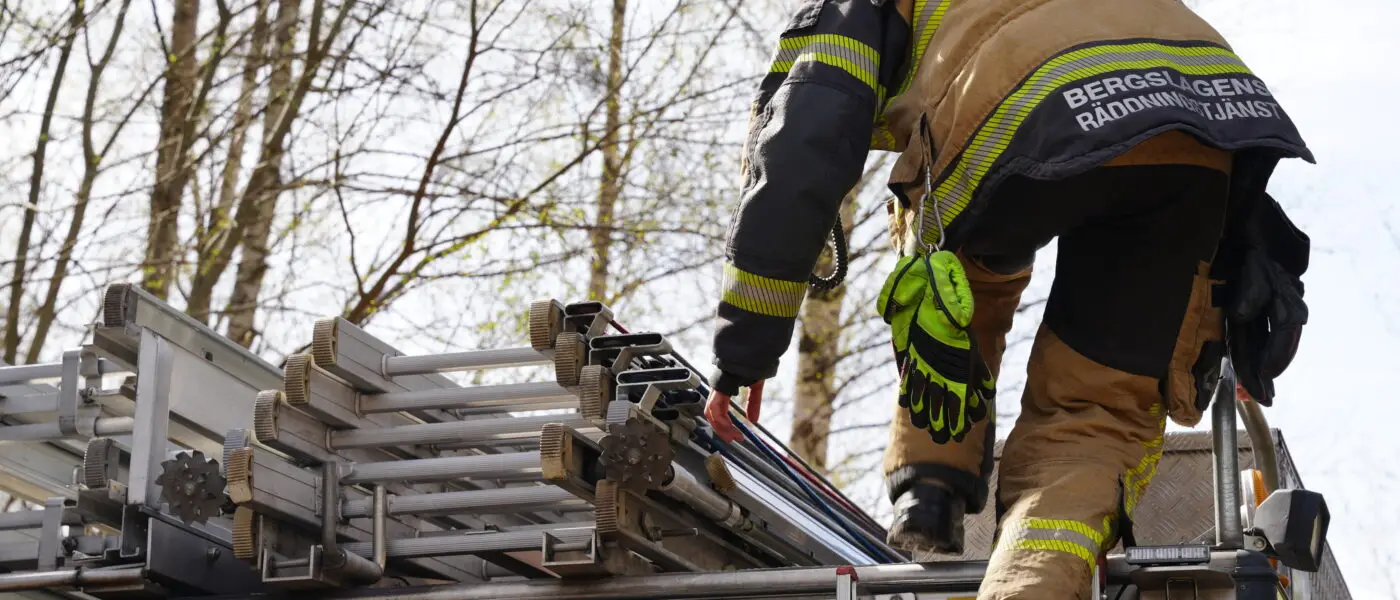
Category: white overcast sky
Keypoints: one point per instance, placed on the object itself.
(1331, 64)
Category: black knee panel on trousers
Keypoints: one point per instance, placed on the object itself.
(1129, 271)
(1130, 240)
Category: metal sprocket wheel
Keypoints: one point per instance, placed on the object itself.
(636, 455)
(192, 486)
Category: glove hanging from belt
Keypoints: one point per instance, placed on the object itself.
(1264, 309)
(944, 383)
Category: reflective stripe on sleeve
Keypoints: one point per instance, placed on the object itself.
(762, 295)
(847, 54)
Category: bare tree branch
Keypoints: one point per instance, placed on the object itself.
(36, 182)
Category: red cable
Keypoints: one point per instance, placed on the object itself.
(823, 485)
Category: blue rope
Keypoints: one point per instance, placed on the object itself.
(875, 551)
(860, 539)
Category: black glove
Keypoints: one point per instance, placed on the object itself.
(1265, 312)
(1266, 318)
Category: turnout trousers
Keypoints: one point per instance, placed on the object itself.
(1118, 351)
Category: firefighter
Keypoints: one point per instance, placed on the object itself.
(1128, 130)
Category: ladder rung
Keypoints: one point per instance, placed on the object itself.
(475, 543)
(395, 366)
(497, 501)
(485, 432)
(514, 396)
(487, 466)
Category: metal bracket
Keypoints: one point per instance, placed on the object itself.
(92, 367)
(68, 391)
(1195, 590)
(182, 556)
(571, 559)
(92, 546)
(50, 533)
(620, 350)
(313, 577)
(847, 583)
(133, 527)
(588, 318)
(652, 383)
(151, 434)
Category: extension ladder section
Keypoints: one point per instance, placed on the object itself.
(177, 464)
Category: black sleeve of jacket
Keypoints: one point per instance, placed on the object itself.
(808, 140)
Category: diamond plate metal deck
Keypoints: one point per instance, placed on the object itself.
(1178, 506)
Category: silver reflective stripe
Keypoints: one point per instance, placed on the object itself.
(922, 35)
(856, 57)
(1065, 535)
(1057, 535)
(762, 295)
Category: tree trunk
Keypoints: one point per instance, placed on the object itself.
(215, 226)
(172, 153)
(48, 310)
(818, 349)
(36, 181)
(258, 198)
(611, 185)
(267, 179)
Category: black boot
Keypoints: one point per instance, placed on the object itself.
(927, 518)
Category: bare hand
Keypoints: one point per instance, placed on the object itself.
(717, 411)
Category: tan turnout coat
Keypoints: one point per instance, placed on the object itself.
(1049, 88)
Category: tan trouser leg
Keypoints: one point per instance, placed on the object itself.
(995, 298)
(1083, 429)
(1082, 454)
(1089, 436)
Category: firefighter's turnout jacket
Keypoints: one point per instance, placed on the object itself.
(968, 92)
(1129, 130)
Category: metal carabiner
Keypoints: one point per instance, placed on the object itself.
(920, 244)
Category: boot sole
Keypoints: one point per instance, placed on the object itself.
(904, 537)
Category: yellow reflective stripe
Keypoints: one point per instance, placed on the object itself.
(928, 15)
(1057, 546)
(839, 51)
(762, 295)
(1058, 535)
(1136, 479)
(955, 191)
(881, 138)
(1083, 529)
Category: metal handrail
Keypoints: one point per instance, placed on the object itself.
(1231, 404)
(1225, 449)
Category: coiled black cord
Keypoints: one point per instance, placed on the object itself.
(838, 275)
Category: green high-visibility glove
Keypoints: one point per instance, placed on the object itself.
(944, 383)
(904, 289)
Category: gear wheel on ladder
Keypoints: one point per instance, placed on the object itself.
(192, 486)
